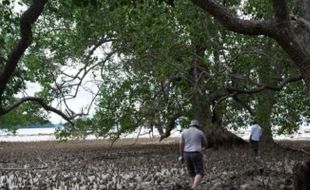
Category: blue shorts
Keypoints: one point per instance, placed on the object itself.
(194, 163)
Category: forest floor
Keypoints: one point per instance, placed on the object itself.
(148, 164)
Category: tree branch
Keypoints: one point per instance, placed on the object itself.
(232, 22)
(73, 88)
(221, 94)
(39, 101)
(262, 87)
(27, 19)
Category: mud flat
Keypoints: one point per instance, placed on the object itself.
(148, 164)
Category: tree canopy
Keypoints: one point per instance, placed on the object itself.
(157, 64)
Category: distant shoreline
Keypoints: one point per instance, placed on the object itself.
(47, 134)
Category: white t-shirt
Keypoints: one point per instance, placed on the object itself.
(256, 132)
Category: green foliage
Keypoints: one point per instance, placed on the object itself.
(23, 116)
(84, 3)
(292, 110)
(148, 80)
(81, 128)
(156, 44)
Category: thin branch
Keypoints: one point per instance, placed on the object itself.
(262, 87)
(230, 91)
(97, 44)
(75, 87)
(120, 131)
(86, 70)
(39, 101)
(138, 135)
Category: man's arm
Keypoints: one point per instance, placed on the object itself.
(204, 141)
(181, 151)
(251, 132)
(181, 148)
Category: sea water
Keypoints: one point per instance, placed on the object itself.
(28, 134)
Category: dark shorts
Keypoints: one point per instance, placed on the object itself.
(254, 145)
(194, 163)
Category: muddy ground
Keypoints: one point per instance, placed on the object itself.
(88, 165)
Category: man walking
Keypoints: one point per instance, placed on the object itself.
(255, 136)
(191, 143)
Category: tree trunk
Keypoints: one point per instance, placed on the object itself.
(220, 137)
(304, 37)
(267, 99)
(216, 134)
(210, 119)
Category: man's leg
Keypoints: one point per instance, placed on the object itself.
(256, 148)
(190, 167)
(199, 170)
(196, 182)
(254, 145)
